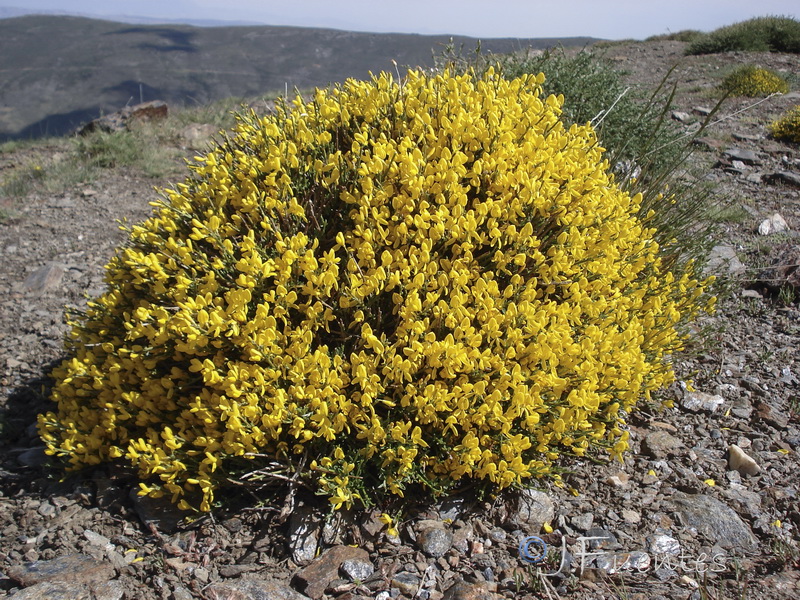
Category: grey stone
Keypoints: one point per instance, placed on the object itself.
(72, 568)
(468, 591)
(739, 166)
(251, 589)
(56, 591)
(603, 539)
(181, 593)
(335, 529)
(532, 509)
(775, 223)
(498, 535)
(631, 516)
(715, 520)
(304, 533)
(660, 444)
(33, 457)
(583, 521)
(700, 401)
(155, 110)
(746, 137)
(665, 544)
(46, 510)
(748, 502)
(754, 177)
(44, 278)
(746, 156)
(722, 260)
(95, 539)
(406, 582)
(356, 569)
(703, 111)
(683, 117)
(314, 578)
(785, 177)
(434, 541)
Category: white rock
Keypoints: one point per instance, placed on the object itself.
(697, 401)
(773, 224)
(738, 460)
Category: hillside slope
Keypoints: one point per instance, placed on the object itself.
(57, 72)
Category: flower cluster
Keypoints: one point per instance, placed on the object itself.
(749, 80)
(788, 126)
(396, 283)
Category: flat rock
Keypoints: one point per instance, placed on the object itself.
(748, 157)
(785, 177)
(531, 510)
(743, 499)
(407, 583)
(72, 568)
(723, 260)
(357, 569)
(251, 589)
(44, 278)
(715, 520)
(702, 402)
(660, 444)
(468, 591)
(57, 591)
(313, 579)
(155, 110)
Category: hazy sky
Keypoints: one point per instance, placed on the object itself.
(613, 19)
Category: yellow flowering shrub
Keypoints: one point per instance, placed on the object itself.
(749, 80)
(397, 283)
(788, 126)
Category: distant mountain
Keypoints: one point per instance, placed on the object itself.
(57, 72)
(7, 12)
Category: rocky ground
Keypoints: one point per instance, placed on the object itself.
(704, 506)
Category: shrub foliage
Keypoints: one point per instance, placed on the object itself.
(763, 34)
(749, 80)
(787, 127)
(396, 283)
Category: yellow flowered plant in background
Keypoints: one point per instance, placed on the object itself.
(402, 283)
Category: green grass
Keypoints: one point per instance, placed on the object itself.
(763, 34)
(154, 150)
(730, 213)
(686, 35)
